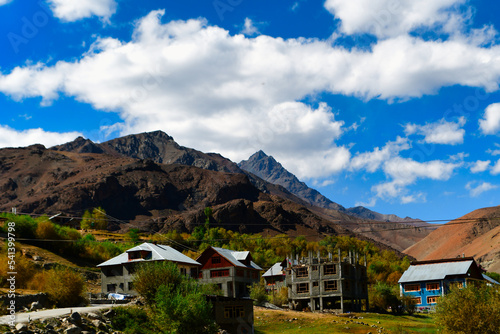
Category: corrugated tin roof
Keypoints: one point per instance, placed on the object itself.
(233, 256)
(158, 253)
(275, 270)
(434, 271)
(489, 279)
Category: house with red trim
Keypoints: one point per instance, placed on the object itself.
(232, 271)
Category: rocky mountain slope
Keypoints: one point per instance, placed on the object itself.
(155, 197)
(476, 234)
(267, 168)
(161, 148)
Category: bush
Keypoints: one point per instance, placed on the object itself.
(24, 269)
(150, 276)
(383, 296)
(474, 309)
(183, 308)
(64, 286)
(258, 293)
(280, 297)
(131, 320)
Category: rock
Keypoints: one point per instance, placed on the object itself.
(93, 315)
(73, 330)
(21, 327)
(37, 258)
(109, 313)
(75, 318)
(98, 324)
(35, 306)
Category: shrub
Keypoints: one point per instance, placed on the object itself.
(383, 296)
(474, 309)
(258, 293)
(24, 271)
(183, 308)
(150, 276)
(131, 320)
(64, 286)
(280, 297)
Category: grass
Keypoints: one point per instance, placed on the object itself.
(271, 321)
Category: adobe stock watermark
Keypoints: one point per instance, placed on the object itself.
(223, 6)
(11, 273)
(30, 27)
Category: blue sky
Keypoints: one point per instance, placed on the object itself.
(390, 104)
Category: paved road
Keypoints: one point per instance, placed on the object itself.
(23, 317)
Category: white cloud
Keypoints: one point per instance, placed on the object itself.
(480, 166)
(4, 2)
(441, 132)
(490, 123)
(13, 138)
(475, 191)
(495, 170)
(74, 10)
(371, 161)
(405, 172)
(234, 94)
(389, 18)
(249, 28)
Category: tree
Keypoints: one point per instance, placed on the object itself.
(258, 292)
(96, 220)
(150, 276)
(471, 310)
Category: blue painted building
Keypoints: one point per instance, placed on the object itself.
(426, 281)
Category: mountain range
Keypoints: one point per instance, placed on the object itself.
(149, 181)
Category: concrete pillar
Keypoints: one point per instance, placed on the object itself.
(321, 304)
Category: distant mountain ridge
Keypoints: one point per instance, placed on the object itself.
(267, 168)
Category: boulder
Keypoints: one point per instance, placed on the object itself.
(73, 330)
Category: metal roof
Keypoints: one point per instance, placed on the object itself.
(234, 257)
(489, 279)
(435, 271)
(275, 270)
(158, 253)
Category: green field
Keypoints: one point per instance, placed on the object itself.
(271, 321)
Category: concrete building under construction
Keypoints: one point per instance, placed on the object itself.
(327, 283)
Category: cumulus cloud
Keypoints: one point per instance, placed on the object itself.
(4, 2)
(74, 10)
(389, 18)
(476, 189)
(495, 170)
(441, 132)
(372, 161)
(480, 166)
(249, 28)
(13, 138)
(232, 94)
(405, 172)
(490, 123)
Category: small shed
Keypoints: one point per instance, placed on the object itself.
(234, 315)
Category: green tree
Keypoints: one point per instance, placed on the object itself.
(258, 292)
(96, 220)
(471, 310)
(150, 276)
(183, 308)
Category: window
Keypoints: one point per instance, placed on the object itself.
(234, 312)
(432, 286)
(303, 288)
(330, 269)
(183, 271)
(216, 260)
(315, 284)
(130, 286)
(412, 287)
(330, 285)
(255, 274)
(219, 273)
(121, 286)
(314, 268)
(111, 287)
(432, 299)
(302, 272)
(417, 300)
